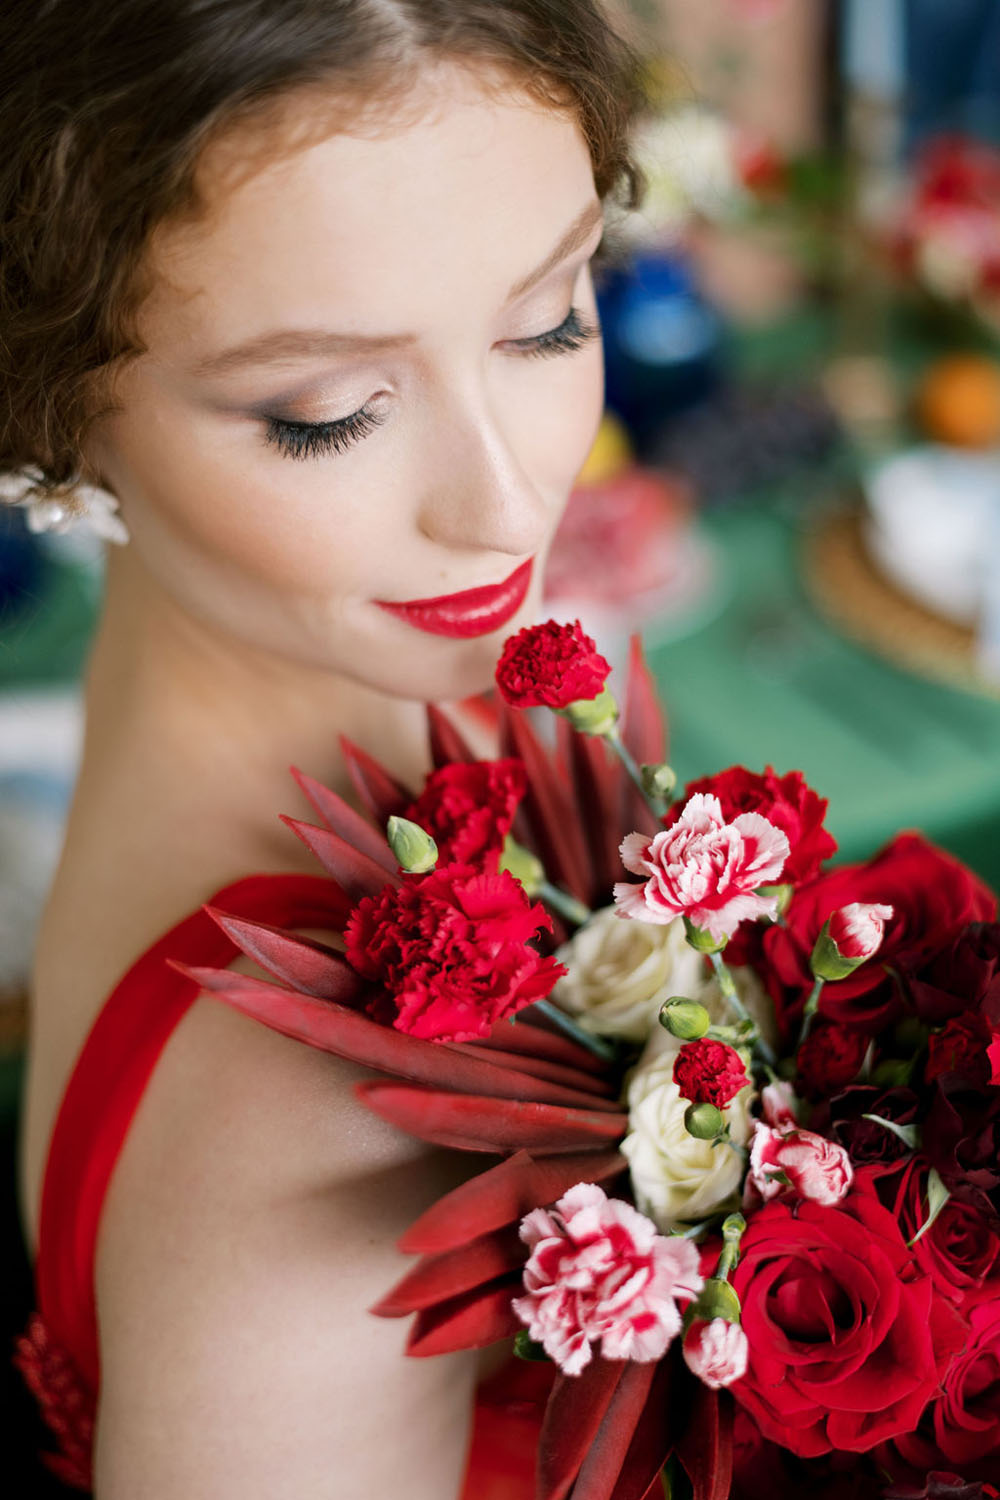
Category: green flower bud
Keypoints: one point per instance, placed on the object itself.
(593, 715)
(659, 781)
(733, 1227)
(415, 850)
(526, 1348)
(827, 961)
(784, 894)
(718, 1300)
(704, 1121)
(523, 865)
(685, 1019)
(700, 940)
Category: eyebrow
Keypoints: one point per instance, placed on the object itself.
(302, 343)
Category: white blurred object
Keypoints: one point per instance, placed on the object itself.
(931, 524)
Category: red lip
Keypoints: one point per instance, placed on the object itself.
(470, 613)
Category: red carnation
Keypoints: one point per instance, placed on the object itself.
(786, 801)
(550, 666)
(468, 809)
(450, 952)
(708, 1072)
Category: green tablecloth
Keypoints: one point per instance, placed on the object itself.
(767, 681)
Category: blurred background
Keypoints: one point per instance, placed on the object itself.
(796, 492)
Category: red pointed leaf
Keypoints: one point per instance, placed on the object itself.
(602, 1465)
(358, 875)
(353, 1035)
(547, 809)
(597, 781)
(705, 1445)
(643, 733)
(652, 1442)
(308, 965)
(439, 1277)
(503, 1195)
(447, 745)
(470, 1123)
(341, 818)
(470, 1321)
(532, 1035)
(575, 1411)
(381, 793)
(540, 1067)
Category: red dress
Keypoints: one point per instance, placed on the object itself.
(59, 1354)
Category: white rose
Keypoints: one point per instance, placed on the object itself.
(620, 973)
(675, 1176)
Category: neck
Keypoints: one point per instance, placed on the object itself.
(191, 732)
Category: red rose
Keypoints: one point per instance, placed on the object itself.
(941, 1486)
(468, 809)
(550, 666)
(842, 1331)
(708, 1072)
(961, 1134)
(450, 952)
(868, 1143)
(961, 1047)
(786, 801)
(933, 897)
(829, 1059)
(964, 975)
(962, 1428)
(961, 1250)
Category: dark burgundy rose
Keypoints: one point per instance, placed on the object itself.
(965, 975)
(867, 1143)
(961, 1136)
(933, 898)
(961, 1047)
(829, 1059)
(846, 1344)
(762, 1468)
(961, 1429)
(786, 801)
(961, 1249)
(940, 1486)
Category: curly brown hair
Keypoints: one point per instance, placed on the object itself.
(106, 107)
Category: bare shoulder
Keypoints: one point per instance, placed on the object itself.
(250, 1223)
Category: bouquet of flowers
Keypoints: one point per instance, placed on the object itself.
(746, 1107)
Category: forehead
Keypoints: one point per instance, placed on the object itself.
(464, 190)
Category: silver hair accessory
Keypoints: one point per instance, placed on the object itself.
(59, 507)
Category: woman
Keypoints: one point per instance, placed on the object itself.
(304, 286)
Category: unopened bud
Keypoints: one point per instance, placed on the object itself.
(782, 894)
(685, 1019)
(593, 715)
(704, 1121)
(525, 1347)
(523, 865)
(851, 936)
(659, 781)
(718, 1300)
(701, 940)
(414, 849)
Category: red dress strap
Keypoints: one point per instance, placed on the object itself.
(107, 1084)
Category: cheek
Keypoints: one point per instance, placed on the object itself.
(558, 419)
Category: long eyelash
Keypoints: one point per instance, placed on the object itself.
(310, 439)
(573, 332)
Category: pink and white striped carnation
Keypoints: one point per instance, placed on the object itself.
(705, 869)
(600, 1272)
(858, 929)
(788, 1162)
(716, 1351)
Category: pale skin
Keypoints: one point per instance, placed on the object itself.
(252, 1215)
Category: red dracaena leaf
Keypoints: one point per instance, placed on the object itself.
(342, 819)
(503, 1195)
(437, 1278)
(540, 1067)
(602, 1464)
(652, 1441)
(547, 809)
(447, 745)
(470, 1321)
(705, 1443)
(381, 793)
(643, 734)
(536, 1040)
(598, 780)
(311, 967)
(574, 1413)
(469, 1122)
(357, 874)
(355, 1036)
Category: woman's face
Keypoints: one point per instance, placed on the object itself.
(372, 373)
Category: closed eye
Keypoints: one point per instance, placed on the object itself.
(572, 334)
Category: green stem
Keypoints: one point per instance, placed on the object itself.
(565, 905)
(595, 1044)
(809, 1014)
(729, 992)
(655, 804)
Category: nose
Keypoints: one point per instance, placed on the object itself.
(478, 495)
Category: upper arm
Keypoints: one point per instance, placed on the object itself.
(250, 1223)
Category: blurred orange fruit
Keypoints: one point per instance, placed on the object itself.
(958, 401)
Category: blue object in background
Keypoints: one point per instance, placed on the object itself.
(20, 561)
(953, 69)
(661, 341)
